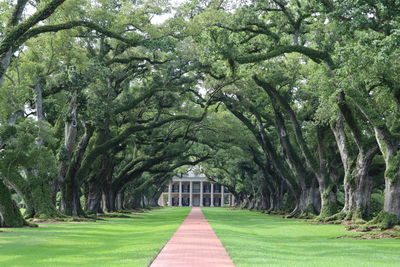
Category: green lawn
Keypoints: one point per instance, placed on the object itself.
(255, 239)
(118, 242)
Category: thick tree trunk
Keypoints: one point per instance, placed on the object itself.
(119, 203)
(109, 197)
(392, 197)
(264, 205)
(71, 130)
(38, 199)
(93, 204)
(328, 197)
(70, 202)
(305, 206)
(389, 145)
(357, 183)
(10, 215)
(310, 200)
(36, 193)
(69, 144)
(70, 191)
(392, 179)
(358, 188)
(96, 184)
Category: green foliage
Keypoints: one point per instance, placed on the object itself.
(376, 205)
(384, 220)
(136, 89)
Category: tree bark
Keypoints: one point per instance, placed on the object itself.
(10, 215)
(326, 185)
(70, 202)
(357, 182)
(307, 206)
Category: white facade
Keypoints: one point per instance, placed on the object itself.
(195, 190)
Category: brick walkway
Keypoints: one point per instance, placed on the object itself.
(194, 244)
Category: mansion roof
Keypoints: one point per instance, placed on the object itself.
(191, 176)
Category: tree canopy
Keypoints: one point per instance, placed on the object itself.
(293, 105)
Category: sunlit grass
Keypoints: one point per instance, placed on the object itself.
(255, 239)
(131, 241)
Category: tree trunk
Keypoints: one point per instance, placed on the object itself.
(93, 205)
(392, 180)
(10, 215)
(96, 184)
(357, 183)
(71, 130)
(5, 61)
(36, 193)
(70, 202)
(392, 197)
(38, 196)
(389, 146)
(358, 187)
(305, 206)
(109, 197)
(119, 203)
(309, 201)
(328, 198)
(70, 191)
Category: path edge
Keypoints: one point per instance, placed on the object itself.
(227, 252)
(159, 251)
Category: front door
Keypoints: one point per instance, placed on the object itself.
(196, 201)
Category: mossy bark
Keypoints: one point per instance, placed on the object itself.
(35, 190)
(357, 182)
(38, 199)
(70, 202)
(310, 202)
(384, 220)
(389, 145)
(95, 185)
(10, 215)
(391, 152)
(109, 197)
(329, 205)
(93, 203)
(70, 188)
(306, 206)
(317, 164)
(392, 197)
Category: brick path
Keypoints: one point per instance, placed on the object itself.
(194, 244)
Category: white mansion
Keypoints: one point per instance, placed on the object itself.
(195, 190)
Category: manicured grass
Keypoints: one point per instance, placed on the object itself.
(255, 239)
(118, 242)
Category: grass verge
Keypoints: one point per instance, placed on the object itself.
(255, 239)
(132, 241)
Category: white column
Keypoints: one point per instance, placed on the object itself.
(170, 194)
(180, 194)
(201, 194)
(222, 196)
(212, 195)
(191, 194)
(233, 200)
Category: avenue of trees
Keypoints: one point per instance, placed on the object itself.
(293, 105)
